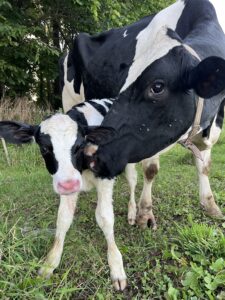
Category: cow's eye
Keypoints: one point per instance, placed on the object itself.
(157, 88)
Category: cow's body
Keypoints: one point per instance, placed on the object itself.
(199, 37)
(114, 61)
(99, 64)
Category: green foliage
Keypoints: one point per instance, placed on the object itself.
(202, 247)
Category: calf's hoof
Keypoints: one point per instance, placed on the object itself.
(45, 272)
(120, 284)
(132, 216)
(146, 220)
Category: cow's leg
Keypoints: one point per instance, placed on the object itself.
(145, 213)
(206, 196)
(105, 219)
(131, 176)
(65, 217)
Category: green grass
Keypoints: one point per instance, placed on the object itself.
(183, 259)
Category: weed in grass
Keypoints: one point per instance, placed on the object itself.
(202, 248)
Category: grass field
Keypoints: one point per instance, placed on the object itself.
(183, 259)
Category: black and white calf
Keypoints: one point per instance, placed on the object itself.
(60, 137)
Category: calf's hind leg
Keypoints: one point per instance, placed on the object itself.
(131, 176)
(145, 213)
(65, 217)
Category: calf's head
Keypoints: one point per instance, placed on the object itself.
(157, 104)
(59, 138)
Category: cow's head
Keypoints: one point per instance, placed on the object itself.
(59, 139)
(157, 103)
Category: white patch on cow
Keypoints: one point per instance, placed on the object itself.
(91, 114)
(69, 97)
(63, 133)
(125, 33)
(219, 6)
(153, 43)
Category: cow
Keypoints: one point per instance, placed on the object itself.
(157, 67)
(179, 58)
(60, 138)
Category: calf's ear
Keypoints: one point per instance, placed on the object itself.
(208, 77)
(16, 133)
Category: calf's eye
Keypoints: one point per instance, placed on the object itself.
(45, 150)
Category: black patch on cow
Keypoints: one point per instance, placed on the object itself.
(173, 35)
(220, 115)
(102, 61)
(70, 68)
(77, 116)
(194, 13)
(77, 160)
(61, 72)
(108, 104)
(46, 148)
(206, 131)
(100, 108)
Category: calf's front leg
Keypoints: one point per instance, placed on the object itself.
(105, 219)
(65, 217)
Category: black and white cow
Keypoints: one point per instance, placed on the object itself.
(169, 73)
(60, 138)
(159, 66)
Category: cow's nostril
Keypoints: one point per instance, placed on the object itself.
(69, 185)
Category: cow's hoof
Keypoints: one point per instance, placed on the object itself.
(212, 210)
(120, 284)
(146, 220)
(45, 272)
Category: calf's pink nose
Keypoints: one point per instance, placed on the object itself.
(70, 185)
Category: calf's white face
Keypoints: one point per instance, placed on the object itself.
(57, 138)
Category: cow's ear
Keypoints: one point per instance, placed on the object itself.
(208, 77)
(17, 133)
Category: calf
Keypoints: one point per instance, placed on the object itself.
(60, 138)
